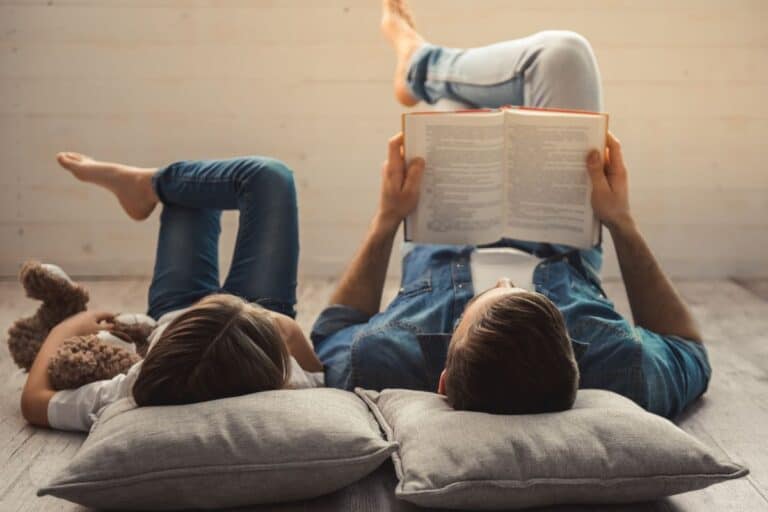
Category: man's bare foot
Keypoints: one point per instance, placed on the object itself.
(397, 26)
(131, 185)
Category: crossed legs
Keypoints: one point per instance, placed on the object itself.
(552, 69)
(193, 193)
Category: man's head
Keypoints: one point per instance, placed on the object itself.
(220, 347)
(510, 354)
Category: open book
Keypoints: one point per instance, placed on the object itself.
(509, 173)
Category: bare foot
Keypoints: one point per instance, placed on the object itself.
(131, 185)
(397, 26)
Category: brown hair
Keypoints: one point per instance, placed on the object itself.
(516, 358)
(222, 346)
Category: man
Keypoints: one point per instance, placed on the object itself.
(527, 343)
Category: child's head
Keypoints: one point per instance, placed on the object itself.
(222, 346)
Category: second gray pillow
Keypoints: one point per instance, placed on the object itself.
(605, 450)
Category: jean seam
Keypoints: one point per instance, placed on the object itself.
(436, 77)
(187, 179)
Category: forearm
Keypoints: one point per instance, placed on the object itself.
(300, 348)
(655, 303)
(362, 284)
(38, 390)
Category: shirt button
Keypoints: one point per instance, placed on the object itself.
(461, 285)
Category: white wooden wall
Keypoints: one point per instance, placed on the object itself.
(308, 81)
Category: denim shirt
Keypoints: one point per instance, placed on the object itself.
(405, 346)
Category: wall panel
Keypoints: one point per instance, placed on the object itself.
(150, 82)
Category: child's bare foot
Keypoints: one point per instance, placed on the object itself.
(131, 185)
(397, 26)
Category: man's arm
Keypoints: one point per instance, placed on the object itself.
(362, 284)
(38, 390)
(655, 304)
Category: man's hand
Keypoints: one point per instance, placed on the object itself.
(86, 322)
(399, 186)
(362, 284)
(610, 195)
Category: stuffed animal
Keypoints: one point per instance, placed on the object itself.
(81, 359)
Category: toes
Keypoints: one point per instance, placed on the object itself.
(70, 159)
(65, 160)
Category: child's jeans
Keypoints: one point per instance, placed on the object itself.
(265, 259)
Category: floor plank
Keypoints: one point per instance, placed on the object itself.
(732, 417)
(757, 286)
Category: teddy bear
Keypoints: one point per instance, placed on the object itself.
(81, 359)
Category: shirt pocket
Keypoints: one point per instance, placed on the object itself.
(418, 286)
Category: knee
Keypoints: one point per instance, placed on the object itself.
(564, 51)
(272, 175)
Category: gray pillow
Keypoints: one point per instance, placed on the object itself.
(266, 447)
(605, 450)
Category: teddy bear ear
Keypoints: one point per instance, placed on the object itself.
(50, 284)
(56, 271)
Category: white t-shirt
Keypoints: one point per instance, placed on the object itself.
(489, 264)
(77, 409)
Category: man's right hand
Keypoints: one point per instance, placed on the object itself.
(400, 184)
(610, 195)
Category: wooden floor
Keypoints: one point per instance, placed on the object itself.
(732, 417)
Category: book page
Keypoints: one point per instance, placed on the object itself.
(462, 195)
(548, 188)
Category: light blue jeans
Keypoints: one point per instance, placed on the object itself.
(549, 69)
(552, 69)
(265, 260)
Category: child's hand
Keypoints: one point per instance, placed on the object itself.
(86, 322)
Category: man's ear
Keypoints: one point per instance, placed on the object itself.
(441, 384)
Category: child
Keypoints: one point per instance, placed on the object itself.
(211, 341)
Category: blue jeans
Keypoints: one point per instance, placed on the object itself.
(265, 260)
(552, 69)
(549, 69)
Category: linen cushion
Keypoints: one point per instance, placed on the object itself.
(606, 449)
(266, 447)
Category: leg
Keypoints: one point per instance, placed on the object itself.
(131, 185)
(266, 257)
(555, 69)
(187, 258)
(265, 260)
(186, 264)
